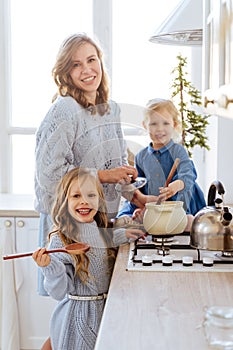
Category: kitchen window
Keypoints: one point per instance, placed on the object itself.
(32, 32)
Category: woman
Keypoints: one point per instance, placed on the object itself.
(81, 129)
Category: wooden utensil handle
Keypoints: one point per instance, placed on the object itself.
(16, 256)
(170, 175)
(172, 171)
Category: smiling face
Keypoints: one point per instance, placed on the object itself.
(160, 126)
(83, 199)
(86, 70)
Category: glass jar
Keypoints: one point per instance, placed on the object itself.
(218, 324)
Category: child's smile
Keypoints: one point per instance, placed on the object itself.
(160, 127)
(83, 200)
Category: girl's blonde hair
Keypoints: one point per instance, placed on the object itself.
(67, 227)
(159, 104)
(63, 66)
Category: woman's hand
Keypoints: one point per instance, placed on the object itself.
(123, 175)
(41, 258)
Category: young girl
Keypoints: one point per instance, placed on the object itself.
(79, 282)
(155, 162)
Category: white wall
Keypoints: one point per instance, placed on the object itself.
(199, 154)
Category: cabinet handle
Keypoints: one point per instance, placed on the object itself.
(8, 223)
(20, 223)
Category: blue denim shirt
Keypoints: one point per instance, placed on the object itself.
(155, 165)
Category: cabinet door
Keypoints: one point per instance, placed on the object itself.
(9, 283)
(34, 310)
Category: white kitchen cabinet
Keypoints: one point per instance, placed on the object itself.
(218, 91)
(20, 234)
(218, 57)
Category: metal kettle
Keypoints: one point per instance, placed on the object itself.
(212, 227)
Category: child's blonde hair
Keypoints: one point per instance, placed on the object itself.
(67, 227)
(158, 105)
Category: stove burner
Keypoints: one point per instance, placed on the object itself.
(227, 254)
(162, 239)
(163, 250)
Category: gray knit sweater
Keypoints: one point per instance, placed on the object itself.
(68, 137)
(74, 324)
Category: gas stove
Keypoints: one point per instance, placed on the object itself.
(175, 254)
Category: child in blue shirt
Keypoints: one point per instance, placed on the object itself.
(155, 161)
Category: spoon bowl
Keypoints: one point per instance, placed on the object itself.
(74, 249)
(132, 186)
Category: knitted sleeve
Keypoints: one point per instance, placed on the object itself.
(119, 236)
(59, 278)
(121, 135)
(59, 274)
(54, 153)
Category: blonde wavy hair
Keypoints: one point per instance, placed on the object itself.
(63, 66)
(158, 105)
(67, 227)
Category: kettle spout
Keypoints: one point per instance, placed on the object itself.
(226, 217)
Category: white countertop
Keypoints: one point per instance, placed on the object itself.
(17, 205)
(159, 310)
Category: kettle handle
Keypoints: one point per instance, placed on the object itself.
(215, 186)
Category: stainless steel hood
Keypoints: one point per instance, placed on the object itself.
(183, 26)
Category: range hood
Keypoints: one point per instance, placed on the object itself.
(183, 26)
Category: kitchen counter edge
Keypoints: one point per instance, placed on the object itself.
(17, 205)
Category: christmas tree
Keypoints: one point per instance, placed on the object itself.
(186, 98)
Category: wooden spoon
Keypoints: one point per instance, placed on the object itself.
(74, 248)
(170, 175)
